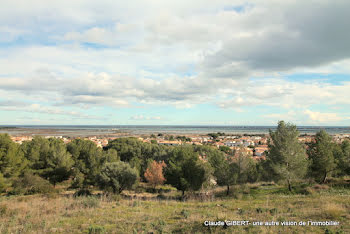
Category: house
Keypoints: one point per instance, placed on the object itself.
(260, 150)
(170, 143)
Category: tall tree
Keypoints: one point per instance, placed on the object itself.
(344, 161)
(321, 156)
(48, 158)
(12, 161)
(225, 170)
(246, 167)
(185, 171)
(36, 151)
(58, 165)
(341, 154)
(88, 160)
(286, 156)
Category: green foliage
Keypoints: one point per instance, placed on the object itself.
(3, 184)
(110, 155)
(286, 158)
(117, 176)
(127, 148)
(184, 170)
(31, 184)
(88, 159)
(12, 161)
(342, 157)
(183, 138)
(246, 167)
(48, 158)
(95, 229)
(138, 153)
(82, 193)
(226, 150)
(216, 135)
(321, 156)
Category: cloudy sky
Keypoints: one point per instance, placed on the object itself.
(175, 62)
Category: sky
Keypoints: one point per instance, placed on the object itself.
(155, 62)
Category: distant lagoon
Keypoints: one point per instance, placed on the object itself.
(173, 129)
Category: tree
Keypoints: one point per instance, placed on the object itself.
(341, 153)
(185, 171)
(344, 161)
(12, 161)
(58, 164)
(110, 155)
(225, 171)
(138, 153)
(127, 148)
(286, 156)
(246, 168)
(154, 173)
(36, 151)
(48, 158)
(213, 135)
(117, 176)
(321, 156)
(226, 150)
(88, 160)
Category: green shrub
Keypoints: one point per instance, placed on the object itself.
(82, 192)
(117, 176)
(31, 184)
(94, 229)
(185, 213)
(259, 210)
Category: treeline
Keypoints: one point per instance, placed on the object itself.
(38, 165)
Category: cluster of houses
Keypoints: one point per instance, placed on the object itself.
(256, 146)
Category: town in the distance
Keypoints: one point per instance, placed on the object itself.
(255, 145)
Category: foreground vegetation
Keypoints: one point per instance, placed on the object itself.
(64, 213)
(48, 186)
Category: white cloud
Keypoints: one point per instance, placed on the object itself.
(323, 117)
(232, 54)
(142, 117)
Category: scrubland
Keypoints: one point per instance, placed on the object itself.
(144, 212)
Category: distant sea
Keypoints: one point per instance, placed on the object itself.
(173, 129)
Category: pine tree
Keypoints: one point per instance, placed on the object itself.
(225, 171)
(12, 161)
(286, 156)
(321, 156)
(185, 171)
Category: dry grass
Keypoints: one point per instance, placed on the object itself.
(66, 214)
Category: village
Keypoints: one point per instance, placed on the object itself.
(254, 145)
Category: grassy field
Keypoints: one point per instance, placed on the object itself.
(63, 213)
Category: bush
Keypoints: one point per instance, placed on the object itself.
(94, 229)
(82, 192)
(117, 176)
(31, 184)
